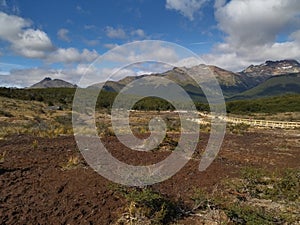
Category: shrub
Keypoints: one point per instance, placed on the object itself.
(146, 202)
(276, 186)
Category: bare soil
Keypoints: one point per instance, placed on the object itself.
(36, 186)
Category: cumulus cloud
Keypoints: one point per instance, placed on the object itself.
(71, 55)
(117, 33)
(252, 29)
(63, 34)
(186, 7)
(32, 44)
(35, 43)
(256, 22)
(24, 40)
(11, 26)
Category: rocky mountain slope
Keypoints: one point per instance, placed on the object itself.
(230, 82)
(256, 74)
(273, 68)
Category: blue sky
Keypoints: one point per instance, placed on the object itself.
(62, 38)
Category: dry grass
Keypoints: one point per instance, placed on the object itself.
(34, 118)
(35, 144)
(72, 163)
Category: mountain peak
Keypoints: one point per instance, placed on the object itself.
(48, 82)
(292, 62)
(46, 79)
(272, 68)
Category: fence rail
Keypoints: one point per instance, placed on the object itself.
(264, 123)
(257, 123)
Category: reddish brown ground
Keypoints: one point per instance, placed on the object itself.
(34, 189)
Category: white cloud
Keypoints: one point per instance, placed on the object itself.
(130, 58)
(24, 40)
(20, 78)
(63, 34)
(72, 55)
(228, 61)
(186, 7)
(142, 51)
(32, 44)
(84, 69)
(11, 26)
(138, 59)
(256, 22)
(117, 33)
(252, 29)
(139, 33)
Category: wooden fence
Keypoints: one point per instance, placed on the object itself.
(254, 122)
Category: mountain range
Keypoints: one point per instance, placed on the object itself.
(268, 79)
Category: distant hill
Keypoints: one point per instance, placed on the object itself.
(55, 83)
(273, 86)
(274, 104)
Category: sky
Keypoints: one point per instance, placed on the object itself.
(61, 39)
